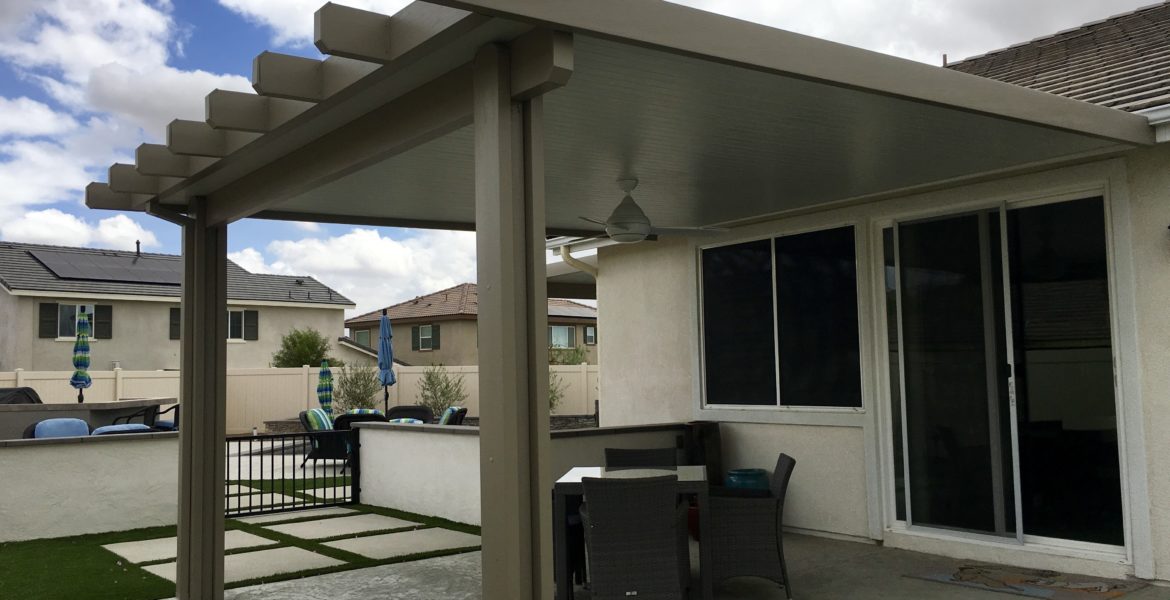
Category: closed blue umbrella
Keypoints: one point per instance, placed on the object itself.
(81, 378)
(325, 388)
(385, 360)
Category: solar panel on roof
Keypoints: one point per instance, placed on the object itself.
(125, 268)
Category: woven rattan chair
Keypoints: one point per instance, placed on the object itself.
(410, 411)
(631, 533)
(635, 458)
(746, 535)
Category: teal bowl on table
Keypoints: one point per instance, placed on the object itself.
(748, 479)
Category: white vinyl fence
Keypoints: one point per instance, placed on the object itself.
(258, 395)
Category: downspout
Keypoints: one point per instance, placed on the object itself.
(576, 264)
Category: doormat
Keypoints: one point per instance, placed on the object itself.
(1032, 583)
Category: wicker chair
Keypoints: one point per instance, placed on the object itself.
(637, 458)
(631, 532)
(410, 411)
(746, 531)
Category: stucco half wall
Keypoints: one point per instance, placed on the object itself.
(73, 486)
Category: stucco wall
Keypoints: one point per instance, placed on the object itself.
(1149, 194)
(112, 483)
(645, 298)
(10, 325)
(458, 344)
(412, 485)
(141, 336)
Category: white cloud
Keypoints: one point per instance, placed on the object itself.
(26, 117)
(308, 226)
(59, 228)
(291, 21)
(920, 30)
(369, 267)
(104, 64)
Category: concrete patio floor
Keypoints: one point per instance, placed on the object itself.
(821, 569)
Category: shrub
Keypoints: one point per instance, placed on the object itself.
(556, 390)
(440, 390)
(301, 347)
(566, 356)
(357, 387)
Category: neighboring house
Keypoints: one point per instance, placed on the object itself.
(441, 327)
(133, 303)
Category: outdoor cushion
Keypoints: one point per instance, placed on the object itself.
(363, 411)
(319, 420)
(52, 428)
(447, 414)
(164, 424)
(407, 421)
(123, 428)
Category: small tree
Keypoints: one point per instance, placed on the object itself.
(357, 387)
(301, 347)
(440, 390)
(566, 356)
(556, 390)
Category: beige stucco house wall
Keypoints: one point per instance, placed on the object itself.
(650, 367)
(458, 342)
(141, 334)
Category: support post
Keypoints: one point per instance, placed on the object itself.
(513, 308)
(203, 381)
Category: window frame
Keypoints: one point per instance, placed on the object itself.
(240, 339)
(73, 336)
(357, 337)
(430, 338)
(572, 329)
(811, 415)
(590, 335)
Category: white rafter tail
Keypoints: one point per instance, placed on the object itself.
(353, 33)
(542, 60)
(197, 138)
(157, 159)
(126, 178)
(242, 111)
(305, 79)
(100, 196)
(374, 37)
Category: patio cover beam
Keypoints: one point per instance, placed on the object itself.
(282, 215)
(305, 79)
(157, 159)
(692, 32)
(250, 112)
(513, 326)
(203, 385)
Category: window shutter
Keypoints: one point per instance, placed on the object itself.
(103, 322)
(48, 320)
(434, 337)
(176, 323)
(414, 338)
(572, 336)
(251, 325)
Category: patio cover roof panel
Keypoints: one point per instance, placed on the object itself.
(710, 143)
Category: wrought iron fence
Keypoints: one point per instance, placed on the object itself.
(291, 471)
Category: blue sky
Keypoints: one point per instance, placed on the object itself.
(83, 82)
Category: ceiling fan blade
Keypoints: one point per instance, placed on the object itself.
(594, 221)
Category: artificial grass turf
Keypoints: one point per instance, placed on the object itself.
(78, 568)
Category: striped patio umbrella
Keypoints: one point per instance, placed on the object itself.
(81, 378)
(325, 388)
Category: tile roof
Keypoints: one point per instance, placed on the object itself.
(463, 301)
(19, 270)
(1121, 62)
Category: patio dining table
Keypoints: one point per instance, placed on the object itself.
(692, 481)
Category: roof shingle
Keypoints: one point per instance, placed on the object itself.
(19, 270)
(463, 301)
(1122, 62)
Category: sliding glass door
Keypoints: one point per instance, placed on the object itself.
(1004, 385)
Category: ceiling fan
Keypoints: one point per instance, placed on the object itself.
(628, 223)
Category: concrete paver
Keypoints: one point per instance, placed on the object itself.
(389, 545)
(167, 548)
(325, 528)
(261, 563)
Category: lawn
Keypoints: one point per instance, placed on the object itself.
(77, 568)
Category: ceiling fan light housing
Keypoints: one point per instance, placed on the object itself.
(627, 233)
